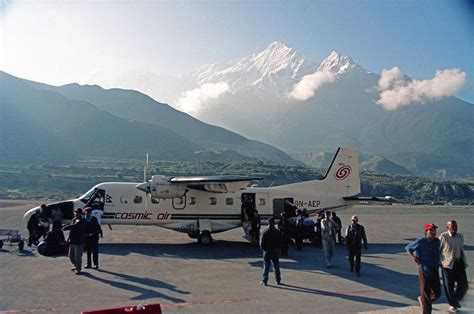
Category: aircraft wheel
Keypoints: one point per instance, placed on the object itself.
(205, 238)
(193, 235)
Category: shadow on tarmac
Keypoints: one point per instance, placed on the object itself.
(354, 298)
(144, 293)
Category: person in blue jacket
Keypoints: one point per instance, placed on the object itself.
(425, 253)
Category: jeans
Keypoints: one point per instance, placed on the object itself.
(268, 258)
(328, 247)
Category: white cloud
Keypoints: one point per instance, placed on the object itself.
(195, 100)
(396, 91)
(309, 84)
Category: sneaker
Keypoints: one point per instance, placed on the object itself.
(420, 302)
(73, 269)
(453, 309)
(263, 283)
(78, 272)
(279, 282)
(96, 266)
(88, 266)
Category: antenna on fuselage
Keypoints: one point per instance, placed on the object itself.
(145, 169)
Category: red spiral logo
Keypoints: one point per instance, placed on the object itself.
(342, 172)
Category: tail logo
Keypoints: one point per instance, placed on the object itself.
(343, 172)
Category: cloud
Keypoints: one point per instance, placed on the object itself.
(309, 84)
(195, 100)
(397, 91)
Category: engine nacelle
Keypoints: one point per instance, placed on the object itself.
(160, 187)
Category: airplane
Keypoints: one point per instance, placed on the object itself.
(204, 205)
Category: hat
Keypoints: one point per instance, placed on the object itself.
(355, 218)
(78, 210)
(430, 226)
(88, 209)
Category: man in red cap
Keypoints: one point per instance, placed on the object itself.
(427, 258)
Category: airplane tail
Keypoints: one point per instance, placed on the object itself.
(342, 177)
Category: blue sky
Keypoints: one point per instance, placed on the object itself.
(62, 42)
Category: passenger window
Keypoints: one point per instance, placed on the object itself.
(192, 200)
(261, 202)
(229, 201)
(123, 199)
(155, 200)
(137, 199)
(178, 201)
(212, 201)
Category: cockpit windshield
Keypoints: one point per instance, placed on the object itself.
(87, 196)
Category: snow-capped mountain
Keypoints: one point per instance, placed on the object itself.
(271, 73)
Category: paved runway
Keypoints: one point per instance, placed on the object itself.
(142, 265)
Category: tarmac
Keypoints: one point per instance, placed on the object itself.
(147, 265)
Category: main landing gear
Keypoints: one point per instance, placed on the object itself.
(205, 238)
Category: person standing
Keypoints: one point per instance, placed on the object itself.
(92, 233)
(453, 263)
(328, 233)
(284, 227)
(271, 244)
(299, 225)
(255, 225)
(427, 258)
(32, 226)
(337, 221)
(76, 240)
(355, 235)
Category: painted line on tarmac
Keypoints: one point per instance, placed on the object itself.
(185, 304)
(30, 311)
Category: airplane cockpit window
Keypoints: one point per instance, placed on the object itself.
(229, 201)
(96, 200)
(212, 201)
(191, 200)
(137, 199)
(123, 199)
(87, 196)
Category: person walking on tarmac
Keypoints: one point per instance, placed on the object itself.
(271, 244)
(355, 234)
(427, 258)
(328, 233)
(32, 227)
(92, 233)
(284, 227)
(76, 240)
(338, 221)
(255, 225)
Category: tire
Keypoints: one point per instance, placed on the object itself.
(21, 245)
(193, 235)
(205, 238)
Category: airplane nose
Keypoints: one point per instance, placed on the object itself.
(144, 187)
(28, 214)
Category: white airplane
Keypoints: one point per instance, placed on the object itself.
(201, 206)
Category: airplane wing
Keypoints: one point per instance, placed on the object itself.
(217, 184)
(168, 187)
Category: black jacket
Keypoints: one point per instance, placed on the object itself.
(271, 239)
(77, 230)
(93, 228)
(355, 235)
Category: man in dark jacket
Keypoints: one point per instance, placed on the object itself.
(32, 227)
(93, 231)
(355, 234)
(271, 244)
(284, 227)
(299, 224)
(338, 221)
(76, 240)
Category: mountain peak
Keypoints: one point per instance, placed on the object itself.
(276, 45)
(337, 63)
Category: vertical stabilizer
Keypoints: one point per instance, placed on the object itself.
(342, 176)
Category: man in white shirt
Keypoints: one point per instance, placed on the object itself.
(453, 262)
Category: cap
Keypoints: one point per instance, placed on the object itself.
(88, 209)
(355, 218)
(430, 226)
(78, 210)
